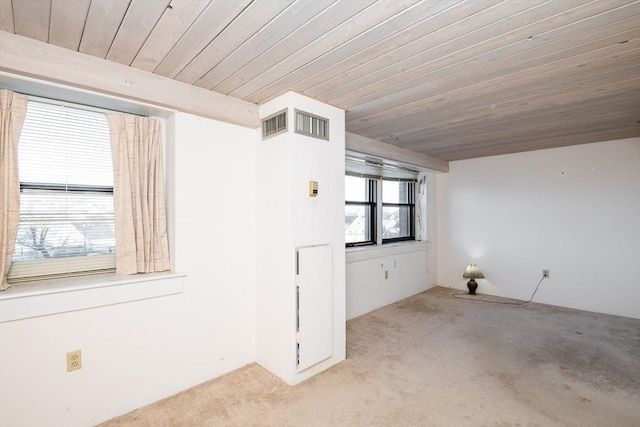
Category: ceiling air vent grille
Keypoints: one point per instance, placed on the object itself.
(308, 124)
(274, 124)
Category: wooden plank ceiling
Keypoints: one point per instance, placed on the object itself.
(453, 79)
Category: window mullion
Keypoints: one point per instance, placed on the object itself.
(378, 199)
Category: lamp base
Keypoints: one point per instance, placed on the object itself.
(472, 285)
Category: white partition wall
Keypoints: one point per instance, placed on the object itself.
(290, 219)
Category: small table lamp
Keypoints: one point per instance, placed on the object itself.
(472, 272)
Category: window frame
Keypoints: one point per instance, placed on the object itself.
(372, 204)
(411, 205)
(25, 271)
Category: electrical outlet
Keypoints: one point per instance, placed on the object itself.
(545, 273)
(74, 360)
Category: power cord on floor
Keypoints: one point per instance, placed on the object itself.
(466, 296)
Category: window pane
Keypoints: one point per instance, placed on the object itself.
(66, 200)
(59, 225)
(355, 189)
(357, 223)
(396, 222)
(395, 192)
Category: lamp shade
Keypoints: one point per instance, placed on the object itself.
(473, 272)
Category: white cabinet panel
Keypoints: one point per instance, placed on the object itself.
(315, 311)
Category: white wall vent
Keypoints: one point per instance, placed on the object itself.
(310, 125)
(274, 124)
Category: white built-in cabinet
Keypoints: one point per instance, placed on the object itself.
(314, 320)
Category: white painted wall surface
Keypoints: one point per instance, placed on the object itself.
(367, 286)
(288, 218)
(215, 243)
(139, 352)
(275, 332)
(572, 210)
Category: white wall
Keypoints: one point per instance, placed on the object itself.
(411, 266)
(288, 218)
(572, 210)
(215, 223)
(139, 352)
(368, 288)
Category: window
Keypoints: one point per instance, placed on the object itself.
(398, 211)
(360, 211)
(66, 193)
(380, 202)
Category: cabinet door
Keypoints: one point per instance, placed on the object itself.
(315, 306)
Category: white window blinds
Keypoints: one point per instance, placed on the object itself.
(66, 193)
(379, 169)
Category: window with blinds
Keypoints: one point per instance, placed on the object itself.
(66, 193)
(380, 202)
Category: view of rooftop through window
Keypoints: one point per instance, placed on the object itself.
(357, 216)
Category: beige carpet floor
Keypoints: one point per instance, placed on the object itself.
(435, 360)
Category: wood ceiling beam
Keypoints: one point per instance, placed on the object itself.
(364, 145)
(26, 57)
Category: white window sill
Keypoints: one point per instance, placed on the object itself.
(364, 253)
(41, 298)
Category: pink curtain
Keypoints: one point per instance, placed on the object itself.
(138, 195)
(13, 109)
